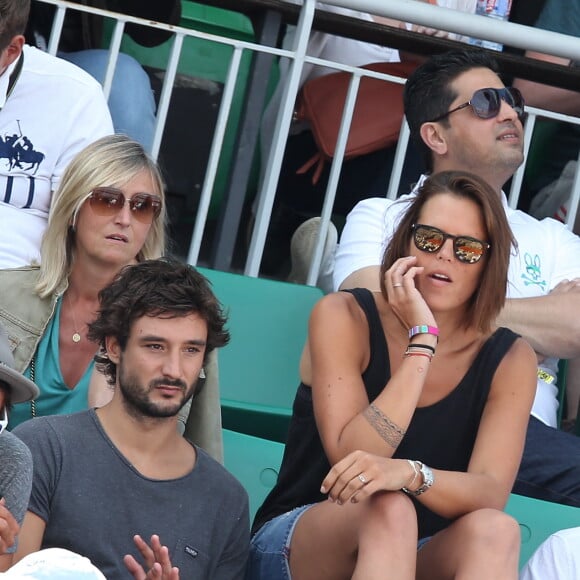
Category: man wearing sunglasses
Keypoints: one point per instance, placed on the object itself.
(462, 117)
(50, 110)
(15, 458)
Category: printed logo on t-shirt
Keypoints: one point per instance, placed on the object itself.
(533, 272)
(18, 152)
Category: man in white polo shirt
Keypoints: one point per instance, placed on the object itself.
(463, 118)
(50, 110)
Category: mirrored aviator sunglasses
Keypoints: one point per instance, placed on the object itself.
(107, 201)
(486, 103)
(466, 249)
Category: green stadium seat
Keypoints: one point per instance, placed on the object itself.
(254, 462)
(538, 520)
(258, 370)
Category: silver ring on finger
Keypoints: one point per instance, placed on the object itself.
(362, 478)
(397, 285)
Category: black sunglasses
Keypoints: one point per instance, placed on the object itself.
(486, 103)
(430, 239)
(107, 201)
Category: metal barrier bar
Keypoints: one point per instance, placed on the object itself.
(214, 157)
(399, 160)
(274, 161)
(56, 31)
(471, 25)
(268, 28)
(518, 177)
(335, 168)
(113, 56)
(165, 96)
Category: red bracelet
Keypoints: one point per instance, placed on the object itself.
(429, 356)
(423, 329)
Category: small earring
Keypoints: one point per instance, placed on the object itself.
(202, 373)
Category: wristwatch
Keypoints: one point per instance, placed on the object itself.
(428, 479)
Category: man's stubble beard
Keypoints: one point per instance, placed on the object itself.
(136, 397)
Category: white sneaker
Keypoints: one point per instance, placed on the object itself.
(302, 248)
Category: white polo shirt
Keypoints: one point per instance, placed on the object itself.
(54, 110)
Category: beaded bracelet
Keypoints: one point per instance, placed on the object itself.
(423, 329)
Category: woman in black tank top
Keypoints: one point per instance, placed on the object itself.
(410, 420)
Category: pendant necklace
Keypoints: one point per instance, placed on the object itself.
(76, 337)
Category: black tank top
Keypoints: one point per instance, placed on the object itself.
(441, 435)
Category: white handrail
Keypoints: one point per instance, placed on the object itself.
(472, 25)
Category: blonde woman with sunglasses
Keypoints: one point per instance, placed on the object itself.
(409, 424)
(109, 211)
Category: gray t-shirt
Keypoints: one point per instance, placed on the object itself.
(15, 476)
(94, 501)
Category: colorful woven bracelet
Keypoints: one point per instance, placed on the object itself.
(423, 329)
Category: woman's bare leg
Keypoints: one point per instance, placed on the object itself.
(356, 540)
(481, 545)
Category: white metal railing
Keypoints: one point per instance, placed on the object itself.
(407, 10)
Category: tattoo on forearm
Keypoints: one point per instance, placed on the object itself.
(390, 432)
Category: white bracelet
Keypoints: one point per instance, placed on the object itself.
(415, 474)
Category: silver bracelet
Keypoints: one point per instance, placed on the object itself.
(428, 480)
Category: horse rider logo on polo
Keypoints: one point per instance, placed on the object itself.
(17, 151)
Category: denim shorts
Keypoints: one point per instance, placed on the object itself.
(270, 547)
(422, 542)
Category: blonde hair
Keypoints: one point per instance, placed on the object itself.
(111, 161)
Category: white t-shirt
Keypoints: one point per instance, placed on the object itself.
(557, 558)
(547, 254)
(55, 110)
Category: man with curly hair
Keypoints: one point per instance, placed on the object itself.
(109, 479)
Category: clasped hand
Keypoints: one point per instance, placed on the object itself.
(360, 474)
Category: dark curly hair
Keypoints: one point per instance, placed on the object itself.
(164, 287)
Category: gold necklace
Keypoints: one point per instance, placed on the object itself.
(76, 337)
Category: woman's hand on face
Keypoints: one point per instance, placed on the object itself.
(404, 298)
(360, 474)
